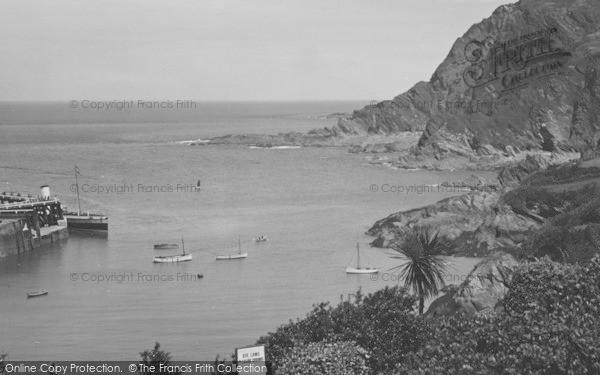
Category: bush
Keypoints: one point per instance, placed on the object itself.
(383, 323)
(326, 358)
(155, 358)
(548, 323)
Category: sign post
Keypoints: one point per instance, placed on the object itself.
(251, 360)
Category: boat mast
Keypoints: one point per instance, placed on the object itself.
(183, 245)
(77, 186)
(357, 255)
(239, 245)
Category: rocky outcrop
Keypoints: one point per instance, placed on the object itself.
(540, 211)
(524, 79)
(568, 198)
(536, 210)
(485, 285)
(336, 115)
(511, 176)
(564, 201)
(473, 183)
(476, 222)
(320, 138)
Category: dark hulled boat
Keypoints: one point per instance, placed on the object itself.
(86, 221)
(163, 246)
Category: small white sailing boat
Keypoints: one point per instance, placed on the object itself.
(239, 254)
(358, 269)
(174, 258)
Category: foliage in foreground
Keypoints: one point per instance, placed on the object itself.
(155, 358)
(2, 363)
(384, 324)
(326, 358)
(549, 323)
(424, 271)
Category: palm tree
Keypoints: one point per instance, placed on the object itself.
(424, 271)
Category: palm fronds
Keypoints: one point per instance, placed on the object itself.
(424, 271)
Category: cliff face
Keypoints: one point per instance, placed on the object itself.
(476, 222)
(527, 77)
(541, 211)
(485, 285)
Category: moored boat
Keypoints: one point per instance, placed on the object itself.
(85, 221)
(359, 269)
(261, 239)
(183, 257)
(166, 246)
(239, 254)
(232, 256)
(173, 258)
(37, 293)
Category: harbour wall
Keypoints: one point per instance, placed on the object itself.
(14, 240)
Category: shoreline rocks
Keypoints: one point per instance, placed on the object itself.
(476, 222)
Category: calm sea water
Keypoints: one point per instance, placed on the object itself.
(312, 203)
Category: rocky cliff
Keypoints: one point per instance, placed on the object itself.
(485, 285)
(476, 222)
(536, 211)
(524, 79)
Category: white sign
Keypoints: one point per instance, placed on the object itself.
(254, 355)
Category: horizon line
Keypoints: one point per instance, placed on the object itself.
(195, 100)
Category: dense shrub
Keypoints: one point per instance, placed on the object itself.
(549, 203)
(570, 230)
(571, 236)
(548, 323)
(154, 359)
(564, 244)
(3, 363)
(326, 358)
(562, 174)
(383, 323)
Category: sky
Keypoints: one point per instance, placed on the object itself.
(226, 49)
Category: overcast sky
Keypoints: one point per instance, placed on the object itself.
(226, 49)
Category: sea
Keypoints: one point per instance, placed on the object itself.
(108, 301)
